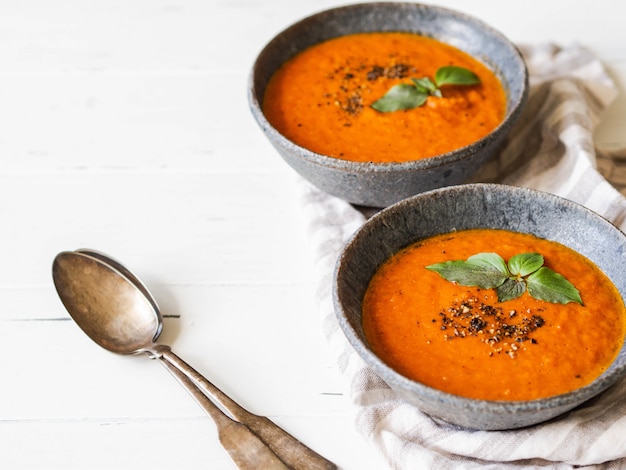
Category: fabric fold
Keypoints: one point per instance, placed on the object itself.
(550, 149)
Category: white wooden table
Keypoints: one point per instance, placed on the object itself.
(124, 127)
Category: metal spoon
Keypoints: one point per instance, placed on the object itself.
(114, 308)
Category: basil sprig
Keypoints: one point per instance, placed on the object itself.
(523, 272)
(408, 96)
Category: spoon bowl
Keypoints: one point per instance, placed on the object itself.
(123, 323)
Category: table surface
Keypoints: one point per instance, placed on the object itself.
(125, 128)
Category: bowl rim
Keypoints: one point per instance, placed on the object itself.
(429, 163)
(613, 374)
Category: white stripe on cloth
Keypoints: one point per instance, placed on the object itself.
(550, 149)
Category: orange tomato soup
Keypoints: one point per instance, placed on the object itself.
(462, 340)
(321, 99)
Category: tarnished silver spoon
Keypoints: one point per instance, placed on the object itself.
(114, 308)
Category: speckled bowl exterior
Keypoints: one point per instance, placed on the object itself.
(381, 184)
(465, 207)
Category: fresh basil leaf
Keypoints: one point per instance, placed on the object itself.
(468, 273)
(524, 271)
(453, 75)
(490, 260)
(525, 263)
(404, 96)
(425, 85)
(400, 97)
(545, 284)
(511, 289)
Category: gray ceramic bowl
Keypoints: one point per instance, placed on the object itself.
(381, 184)
(475, 206)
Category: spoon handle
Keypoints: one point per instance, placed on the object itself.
(294, 453)
(245, 449)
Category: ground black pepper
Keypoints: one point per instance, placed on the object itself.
(503, 331)
(354, 80)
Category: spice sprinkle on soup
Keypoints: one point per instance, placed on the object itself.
(484, 343)
(324, 98)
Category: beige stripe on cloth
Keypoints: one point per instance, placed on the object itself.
(550, 149)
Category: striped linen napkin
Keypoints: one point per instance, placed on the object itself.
(550, 149)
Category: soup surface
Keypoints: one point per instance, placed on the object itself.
(321, 99)
(463, 340)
